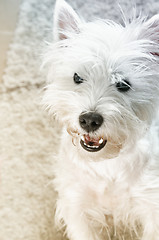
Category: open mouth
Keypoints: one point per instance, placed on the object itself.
(92, 144)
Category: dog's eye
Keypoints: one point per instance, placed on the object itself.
(123, 86)
(77, 79)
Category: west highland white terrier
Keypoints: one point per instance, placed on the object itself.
(103, 87)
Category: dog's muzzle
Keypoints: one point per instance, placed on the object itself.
(92, 144)
(90, 122)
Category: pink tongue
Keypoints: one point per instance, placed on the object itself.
(91, 141)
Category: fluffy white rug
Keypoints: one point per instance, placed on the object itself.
(28, 140)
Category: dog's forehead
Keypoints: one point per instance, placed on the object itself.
(101, 37)
(103, 51)
(111, 44)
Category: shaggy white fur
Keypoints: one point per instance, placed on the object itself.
(103, 87)
(27, 140)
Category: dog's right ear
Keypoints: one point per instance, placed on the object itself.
(66, 21)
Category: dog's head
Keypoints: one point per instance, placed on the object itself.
(103, 79)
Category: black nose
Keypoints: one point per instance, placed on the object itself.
(90, 121)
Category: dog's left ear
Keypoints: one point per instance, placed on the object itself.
(152, 32)
(66, 21)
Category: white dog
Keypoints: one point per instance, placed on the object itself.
(103, 86)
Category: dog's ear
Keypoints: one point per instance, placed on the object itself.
(152, 32)
(66, 21)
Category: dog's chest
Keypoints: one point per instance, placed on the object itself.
(110, 191)
(112, 196)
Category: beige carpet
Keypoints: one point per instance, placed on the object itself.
(28, 139)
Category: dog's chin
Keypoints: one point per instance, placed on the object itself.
(92, 144)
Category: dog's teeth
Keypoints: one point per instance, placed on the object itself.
(92, 146)
(82, 138)
(95, 146)
(89, 145)
(101, 141)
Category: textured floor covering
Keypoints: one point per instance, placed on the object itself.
(28, 140)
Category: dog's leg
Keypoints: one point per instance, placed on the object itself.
(79, 229)
(77, 225)
(150, 226)
(151, 235)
